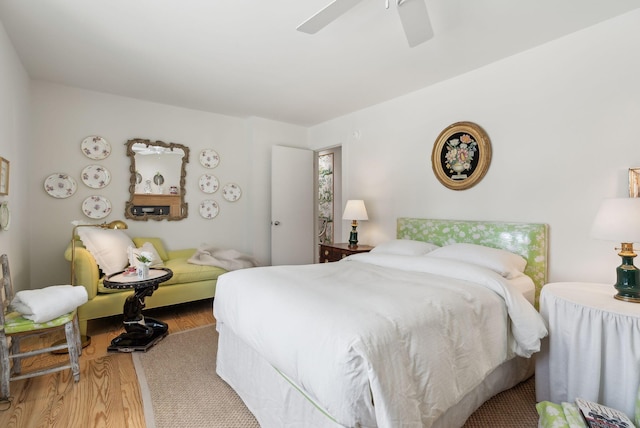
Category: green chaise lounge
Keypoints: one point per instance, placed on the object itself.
(190, 282)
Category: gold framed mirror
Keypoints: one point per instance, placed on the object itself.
(157, 183)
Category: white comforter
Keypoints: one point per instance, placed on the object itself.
(411, 334)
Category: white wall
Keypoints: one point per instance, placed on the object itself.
(561, 119)
(264, 134)
(64, 116)
(14, 138)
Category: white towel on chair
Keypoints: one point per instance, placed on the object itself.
(48, 303)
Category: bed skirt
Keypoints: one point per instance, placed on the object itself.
(277, 403)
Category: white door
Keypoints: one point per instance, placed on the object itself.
(292, 199)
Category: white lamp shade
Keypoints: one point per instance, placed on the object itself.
(618, 220)
(355, 210)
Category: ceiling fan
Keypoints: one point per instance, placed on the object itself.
(413, 15)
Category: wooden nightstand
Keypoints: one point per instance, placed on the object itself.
(336, 252)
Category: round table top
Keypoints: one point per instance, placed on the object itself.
(123, 280)
(591, 295)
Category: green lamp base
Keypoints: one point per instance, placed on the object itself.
(628, 281)
(353, 237)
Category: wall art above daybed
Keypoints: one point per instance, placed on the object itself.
(61, 185)
(157, 184)
(95, 147)
(210, 184)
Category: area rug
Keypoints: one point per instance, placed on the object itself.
(180, 388)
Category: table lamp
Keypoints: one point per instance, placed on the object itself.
(618, 219)
(354, 211)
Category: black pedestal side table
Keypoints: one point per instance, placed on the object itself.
(140, 333)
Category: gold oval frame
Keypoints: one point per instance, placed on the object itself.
(471, 164)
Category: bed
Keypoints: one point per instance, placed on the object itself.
(417, 333)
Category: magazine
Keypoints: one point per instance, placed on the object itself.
(599, 416)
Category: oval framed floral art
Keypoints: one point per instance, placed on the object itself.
(461, 155)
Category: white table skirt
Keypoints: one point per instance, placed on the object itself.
(593, 347)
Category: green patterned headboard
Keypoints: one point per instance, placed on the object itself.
(527, 239)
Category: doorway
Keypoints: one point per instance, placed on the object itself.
(292, 206)
(328, 196)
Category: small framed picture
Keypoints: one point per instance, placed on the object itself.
(634, 182)
(461, 155)
(4, 176)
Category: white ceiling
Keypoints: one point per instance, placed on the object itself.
(245, 57)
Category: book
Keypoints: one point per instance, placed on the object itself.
(599, 416)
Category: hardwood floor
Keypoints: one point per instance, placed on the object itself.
(107, 394)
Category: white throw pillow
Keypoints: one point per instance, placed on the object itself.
(108, 247)
(404, 247)
(133, 253)
(507, 264)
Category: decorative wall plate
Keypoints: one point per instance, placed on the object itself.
(209, 158)
(95, 147)
(60, 185)
(96, 176)
(209, 209)
(96, 207)
(5, 215)
(158, 179)
(231, 192)
(208, 183)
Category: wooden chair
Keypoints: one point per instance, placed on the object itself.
(14, 327)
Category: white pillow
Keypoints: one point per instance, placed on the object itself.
(507, 264)
(108, 247)
(404, 247)
(133, 253)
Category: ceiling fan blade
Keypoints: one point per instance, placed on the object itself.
(326, 16)
(415, 21)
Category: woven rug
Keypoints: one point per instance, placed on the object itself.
(180, 388)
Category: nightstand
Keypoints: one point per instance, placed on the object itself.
(593, 347)
(336, 252)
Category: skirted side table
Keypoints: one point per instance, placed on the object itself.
(593, 347)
